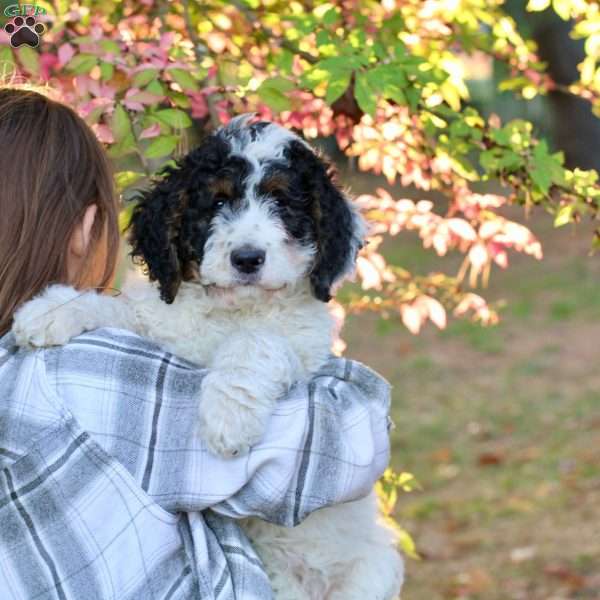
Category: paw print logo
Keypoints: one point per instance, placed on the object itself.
(24, 31)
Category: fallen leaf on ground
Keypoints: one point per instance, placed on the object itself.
(566, 574)
(490, 459)
(523, 554)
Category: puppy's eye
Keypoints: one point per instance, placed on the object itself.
(279, 197)
(220, 200)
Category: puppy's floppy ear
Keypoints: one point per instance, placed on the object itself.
(157, 234)
(339, 228)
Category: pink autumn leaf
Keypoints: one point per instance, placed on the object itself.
(135, 99)
(462, 229)
(499, 254)
(370, 276)
(167, 40)
(478, 256)
(490, 228)
(469, 302)
(378, 261)
(424, 206)
(441, 239)
(535, 250)
(199, 105)
(103, 133)
(412, 318)
(519, 235)
(501, 259)
(405, 205)
(384, 194)
(94, 108)
(65, 53)
(150, 132)
(338, 313)
(435, 311)
(47, 63)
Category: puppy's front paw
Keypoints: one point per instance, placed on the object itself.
(229, 424)
(48, 320)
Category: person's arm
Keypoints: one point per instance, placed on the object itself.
(326, 442)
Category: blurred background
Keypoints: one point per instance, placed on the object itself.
(501, 425)
(467, 130)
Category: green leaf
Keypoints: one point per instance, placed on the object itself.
(82, 63)
(30, 59)
(337, 85)
(365, 97)
(120, 123)
(162, 146)
(144, 77)
(125, 216)
(184, 79)
(83, 39)
(156, 87)
(284, 61)
(547, 169)
(273, 93)
(110, 46)
(274, 98)
(515, 83)
(343, 63)
(7, 61)
(124, 179)
(279, 83)
(413, 95)
(174, 117)
(124, 147)
(313, 77)
(180, 100)
(331, 16)
(107, 71)
(323, 38)
(500, 159)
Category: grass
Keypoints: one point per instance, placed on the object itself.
(501, 426)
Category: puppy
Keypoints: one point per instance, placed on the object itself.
(244, 241)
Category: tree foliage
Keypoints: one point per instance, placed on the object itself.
(387, 79)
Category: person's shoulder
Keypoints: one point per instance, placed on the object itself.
(102, 349)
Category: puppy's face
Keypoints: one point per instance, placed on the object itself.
(252, 208)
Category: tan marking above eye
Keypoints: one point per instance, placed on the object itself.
(274, 184)
(222, 188)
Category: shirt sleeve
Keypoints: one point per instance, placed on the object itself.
(326, 442)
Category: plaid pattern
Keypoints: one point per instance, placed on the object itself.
(103, 477)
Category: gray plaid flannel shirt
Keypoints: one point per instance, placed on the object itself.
(103, 479)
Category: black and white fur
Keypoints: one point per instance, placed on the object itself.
(245, 240)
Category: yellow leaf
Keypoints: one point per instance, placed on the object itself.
(537, 5)
(407, 544)
(562, 8)
(451, 95)
(588, 68)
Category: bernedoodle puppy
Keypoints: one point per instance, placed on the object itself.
(245, 240)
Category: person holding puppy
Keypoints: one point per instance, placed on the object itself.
(106, 490)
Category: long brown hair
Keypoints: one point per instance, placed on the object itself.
(52, 168)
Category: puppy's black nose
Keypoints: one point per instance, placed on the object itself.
(247, 259)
